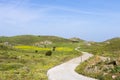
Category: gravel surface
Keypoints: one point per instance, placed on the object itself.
(66, 71)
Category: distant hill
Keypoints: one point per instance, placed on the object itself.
(113, 39)
(30, 39)
(76, 39)
(112, 44)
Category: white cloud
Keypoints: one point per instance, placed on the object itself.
(15, 12)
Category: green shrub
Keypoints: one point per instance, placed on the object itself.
(48, 53)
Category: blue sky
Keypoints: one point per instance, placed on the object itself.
(92, 20)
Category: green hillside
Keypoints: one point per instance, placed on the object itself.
(22, 57)
(106, 48)
(113, 44)
(31, 39)
(25, 57)
(105, 65)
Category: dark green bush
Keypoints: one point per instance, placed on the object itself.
(48, 53)
(36, 51)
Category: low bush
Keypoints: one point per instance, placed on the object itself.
(48, 53)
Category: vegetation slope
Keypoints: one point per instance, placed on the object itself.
(105, 65)
(30, 39)
(20, 59)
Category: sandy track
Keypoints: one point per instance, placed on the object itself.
(66, 71)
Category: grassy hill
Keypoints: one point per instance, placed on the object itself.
(21, 60)
(112, 44)
(31, 39)
(109, 47)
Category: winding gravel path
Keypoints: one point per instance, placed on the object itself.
(66, 71)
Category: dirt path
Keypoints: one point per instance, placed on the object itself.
(66, 71)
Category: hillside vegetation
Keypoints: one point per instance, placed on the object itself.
(102, 68)
(31, 39)
(28, 57)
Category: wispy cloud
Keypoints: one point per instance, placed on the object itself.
(12, 13)
(16, 15)
(20, 11)
(91, 12)
(73, 10)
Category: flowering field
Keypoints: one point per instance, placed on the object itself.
(43, 49)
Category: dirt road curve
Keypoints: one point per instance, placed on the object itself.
(66, 71)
